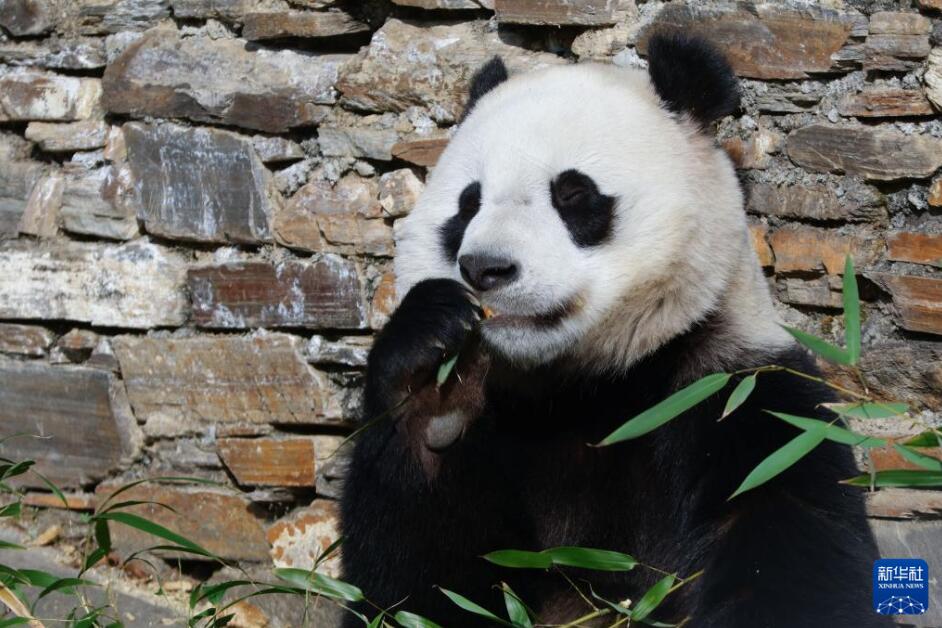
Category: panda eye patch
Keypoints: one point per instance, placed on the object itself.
(586, 212)
(452, 232)
(469, 202)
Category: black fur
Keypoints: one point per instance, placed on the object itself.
(587, 212)
(452, 232)
(794, 552)
(692, 77)
(488, 76)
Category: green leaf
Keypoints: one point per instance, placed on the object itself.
(466, 604)
(14, 621)
(214, 592)
(445, 370)
(929, 438)
(11, 510)
(520, 559)
(92, 559)
(831, 432)
(52, 487)
(781, 459)
(377, 621)
(411, 620)
(66, 585)
(151, 528)
(652, 598)
(868, 410)
(14, 470)
(915, 457)
(39, 578)
(320, 584)
(103, 535)
(676, 404)
(327, 552)
(825, 349)
(170, 479)
(851, 311)
(516, 609)
(739, 395)
(588, 558)
(8, 545)
(898, 478)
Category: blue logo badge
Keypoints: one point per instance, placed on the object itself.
(900, 586)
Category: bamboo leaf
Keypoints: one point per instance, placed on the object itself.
(915, 457)
(898, 478)
(16, 605)
(929, 438)
(11, 510)
(151, 528)
(652, 598)
(66, 585)
(516, 609)
(9, 545)
(39, 578)
(411, 620)
(320, 584)
(739, 395)
(831, 432)
(103, 535)
(676, 404)
(781, 459)
(445, 370)
(520, 559)
(466, 604)
(851, 311)
(589, 558)
(52, 487)
(823, 348)
(868, 410)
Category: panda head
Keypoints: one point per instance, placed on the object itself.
(588, 209)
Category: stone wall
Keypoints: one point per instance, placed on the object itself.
(198, 200)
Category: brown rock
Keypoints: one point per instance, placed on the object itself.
(819, 292)
(915, 247)
(137, 285)
(886, 103)
(301, 538)
(918, 300)
(885, 458)
(99, 203)
(28, 340)
(759, 233)
(32, 95)
(763, 40)
(895, 53)
(556, 12)
(27, 17)
(220, 522)
(933, 76)
(53, 137)
(274, 149)
(226, 10)
(421, 152)
(40, 217)
(269, 461)
(449, 5)
(398, 192)
(73, 501)
(100, 17)
(899, 23)
(352, 234)
(17, 178)
(186, 384)
(754, 153)
(806, 249)
(199, 184)
(321, 294)
(935, 193)
(932, 5)
(78, 344)
(308, 24)
(815, 203)
(384, 300)
(83, 415)
(220, 80)
(392, 73)
(903, 371)
(904, 503)
(873, 152)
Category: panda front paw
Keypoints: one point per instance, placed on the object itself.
(433, 322)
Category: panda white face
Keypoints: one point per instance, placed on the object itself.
(590, 220)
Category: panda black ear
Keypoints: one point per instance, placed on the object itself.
(691, 76)
(488, 76)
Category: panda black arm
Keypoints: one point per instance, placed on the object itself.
(796, 551)
(414, 518)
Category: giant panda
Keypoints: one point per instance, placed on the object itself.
(581, 247)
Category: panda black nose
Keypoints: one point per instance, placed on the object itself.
(486, 272)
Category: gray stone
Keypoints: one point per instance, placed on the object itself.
(398, 192)
(933, 77)
(98, 17)
(447, 5)
(17, 177)
(227, 10)
(349, 351)
(83, 415)
(557, 12)
(276, 149)
(57, 54)
(220, 81)
(40, 217)
(27, 17)
(876, 153)
(859, 203)
(96, 203)
(199, 184)
(428, 66)
(27, 340)
(136, 285)
(357, 142)
(32, 95)
(909, 539)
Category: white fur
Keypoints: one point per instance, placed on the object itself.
(680, 247)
